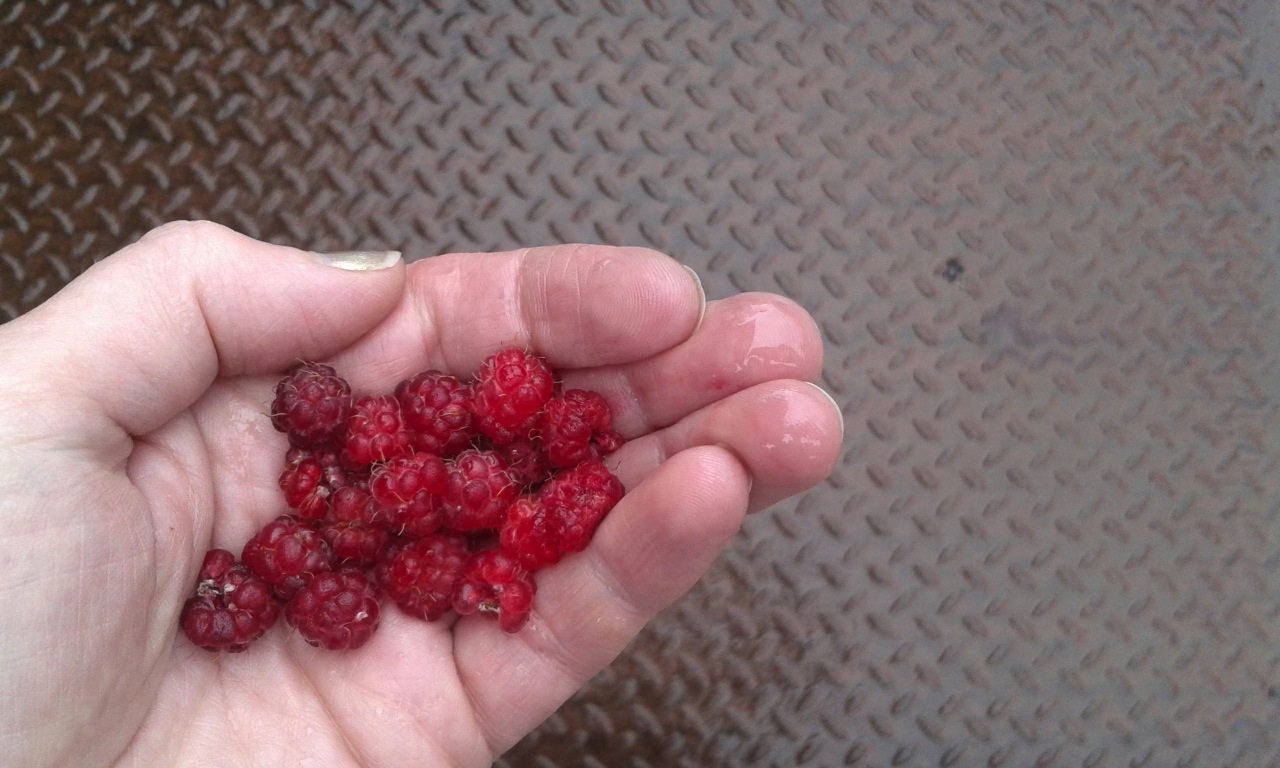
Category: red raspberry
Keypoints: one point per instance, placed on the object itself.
(375, 430)
(493, 583)
(415, 519)
(336, 472)
(355, 543)
(381, 571)
(340, 477)
(423, 576)
(402, 479)
(231, 607)
(573, 504)
(406, 492)
(338, 469)
(436, 410)
(562, 518)
(286, 554)
(304, 489)
(479, 491)
(311, 405)
(499, 435)
(526, 462)
(511, 389)
(310, 479)
(531, 535)
(590, 486)
(577, 426)
(353, 504)
(295, 455)
(335, 610)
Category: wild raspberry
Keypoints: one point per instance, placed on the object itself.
(436, 410)
(526, 462)
(337, 478)
(414, 519)
(337, 469)
(304, 489)
(231, 607)
(311, 405)
(381, 571)
(577, 426)
(354, 543)
(353, 504)
(493, 583)
(479, 491)
(531, 535)
(423, 576)
(406, 493)
(402, 479)
(335, 610)
(375, 430)
(510, 391)
(286, 554)
(589, 488)
(563, 517)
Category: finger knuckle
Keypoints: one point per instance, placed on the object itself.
(189, 235)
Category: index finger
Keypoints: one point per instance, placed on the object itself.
(580, 306)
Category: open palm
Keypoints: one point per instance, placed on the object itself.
(134, 436)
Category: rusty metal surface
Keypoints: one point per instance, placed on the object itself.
(1038, 237)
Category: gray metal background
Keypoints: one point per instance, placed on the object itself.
(1050, 540)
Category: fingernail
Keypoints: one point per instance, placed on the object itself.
(834, 404)
(702, 295)
(358, 261)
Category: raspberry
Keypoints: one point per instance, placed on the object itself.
(526, 462)
(511, 389)
(423, 576)
(231, 607)
(335, 610)
(304, 490)
(417, 494)
(530, 534)
(406, 493)
(381, 571)
(354, 543)
(588, 489)
(311, 405)
(286, 554)
(436, 411)
(402, 479)
(353, 504)
(375, 430)
(294, 455)
(577, 426)
(493, 583)
(415, 519)
(563, 517)
(499, 435)
(478, 492)
(339, 470)
(310, 479)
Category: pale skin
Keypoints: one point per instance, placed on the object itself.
(134, 436)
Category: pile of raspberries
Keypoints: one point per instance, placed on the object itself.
(444, 496)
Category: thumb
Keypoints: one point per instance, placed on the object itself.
(142, 334)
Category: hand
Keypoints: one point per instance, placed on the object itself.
(134, 436)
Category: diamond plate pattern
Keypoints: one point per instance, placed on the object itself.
(1039, 240)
